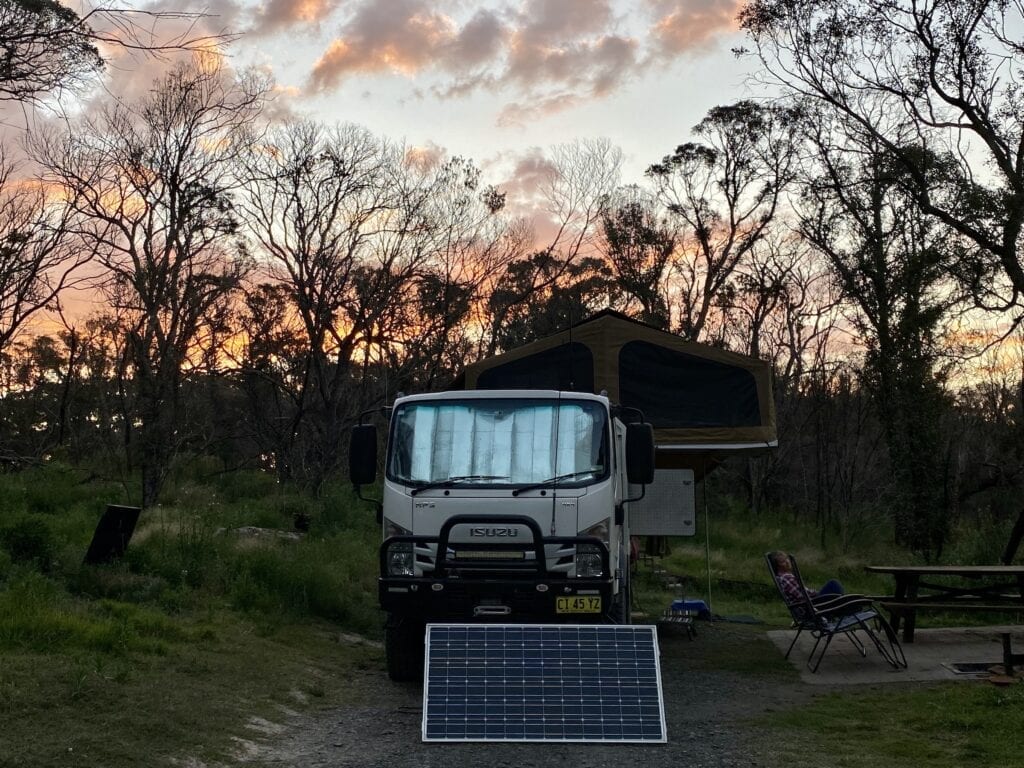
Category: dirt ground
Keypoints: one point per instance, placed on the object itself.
(715, 687)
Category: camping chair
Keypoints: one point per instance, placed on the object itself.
(830, 615)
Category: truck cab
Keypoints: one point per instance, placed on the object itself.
(502, 505)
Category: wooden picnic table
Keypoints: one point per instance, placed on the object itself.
(977, 587)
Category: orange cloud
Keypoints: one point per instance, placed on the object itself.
(689, 25)
(425, 157)
(524, 175)
(399, 36)
(277, 15)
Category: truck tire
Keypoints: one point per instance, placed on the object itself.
(403, 648)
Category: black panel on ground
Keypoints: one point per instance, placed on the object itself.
(568, 367)
(114, 530)
(678, 390)
(568, 682)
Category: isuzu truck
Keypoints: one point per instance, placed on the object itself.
(502, 505)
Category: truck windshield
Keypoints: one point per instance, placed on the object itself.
(506, 442)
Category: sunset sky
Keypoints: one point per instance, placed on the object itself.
(497, 81)
(494, 80)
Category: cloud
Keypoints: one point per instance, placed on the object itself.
(595, 66)
(483, 36)
(683, 26)
(552, 22)
(275, 16)
(426, 156)
(519, 113)
(402, 36)
(547, 55)
(526, 175)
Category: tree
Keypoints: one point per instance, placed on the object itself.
(314, 197)
(48, 47)
(723, 195)
(893, 262)
(639, 245)
(38, 254)
(151, 193)
(922, 78)
(380, 254)
(583, 177)
(472, 245)
(573, 290)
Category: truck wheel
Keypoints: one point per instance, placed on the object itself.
(403, 649)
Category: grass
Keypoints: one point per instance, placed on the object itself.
(135, 707)
(167, 654)
(942, 726)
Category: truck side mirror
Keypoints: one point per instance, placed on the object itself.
(362, 454)
(640, 453)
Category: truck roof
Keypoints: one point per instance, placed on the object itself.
(503, 394)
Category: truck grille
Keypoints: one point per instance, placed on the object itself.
(559, 557)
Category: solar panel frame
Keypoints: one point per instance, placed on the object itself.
(574, 683)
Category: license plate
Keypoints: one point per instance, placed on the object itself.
(578, 605)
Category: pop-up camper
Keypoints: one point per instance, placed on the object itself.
(705, 403)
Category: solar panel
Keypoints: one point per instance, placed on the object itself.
(528, 682)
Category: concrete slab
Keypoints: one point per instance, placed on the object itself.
(930, 657)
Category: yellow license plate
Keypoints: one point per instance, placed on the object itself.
(578, 605)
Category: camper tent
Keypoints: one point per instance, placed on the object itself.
(700, 399)
(705, 403)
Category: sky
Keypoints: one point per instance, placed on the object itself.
(497, 81)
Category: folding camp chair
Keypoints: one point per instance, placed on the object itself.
(826, 616)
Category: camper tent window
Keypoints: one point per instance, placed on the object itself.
(512, 441)
(679, 390)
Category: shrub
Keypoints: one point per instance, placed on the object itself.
(246, 484)
(117, 582)
(29, 540)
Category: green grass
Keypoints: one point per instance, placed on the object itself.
(941, 726)
(168, 653)
(92, 708)
(740, 584)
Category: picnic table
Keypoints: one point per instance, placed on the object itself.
(976, 587)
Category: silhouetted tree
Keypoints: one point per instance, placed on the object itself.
(723, 195)
(150, 188)
(639, 245)
(893, 262)
(922, 78)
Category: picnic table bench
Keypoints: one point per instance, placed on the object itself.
(986, 588)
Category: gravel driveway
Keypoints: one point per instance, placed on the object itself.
(714, 688)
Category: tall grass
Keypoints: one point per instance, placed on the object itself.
(37, 616)
(187, 557)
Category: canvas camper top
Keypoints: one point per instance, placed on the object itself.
(699, 398)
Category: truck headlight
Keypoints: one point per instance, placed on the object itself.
(400, 559)
(588, 561)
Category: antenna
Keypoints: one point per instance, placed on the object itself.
(572, 374)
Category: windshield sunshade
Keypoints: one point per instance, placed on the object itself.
(497, 442)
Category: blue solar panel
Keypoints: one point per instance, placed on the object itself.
(564, 682)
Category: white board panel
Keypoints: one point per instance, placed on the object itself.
(669, 507)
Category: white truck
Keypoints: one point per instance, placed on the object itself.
(502, 505)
